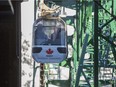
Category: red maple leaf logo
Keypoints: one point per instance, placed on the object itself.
(49, 51)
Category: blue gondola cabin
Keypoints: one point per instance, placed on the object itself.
(49, 44)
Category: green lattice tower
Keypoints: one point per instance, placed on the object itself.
(85, 49)
(106, 42)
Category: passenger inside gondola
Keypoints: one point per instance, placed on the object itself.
(49, 35)
(56, 36)
(40, 36)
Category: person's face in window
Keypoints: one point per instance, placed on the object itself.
(49, 31)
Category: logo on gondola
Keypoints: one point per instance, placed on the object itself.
(49, 51)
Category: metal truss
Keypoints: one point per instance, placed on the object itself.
(99, 23)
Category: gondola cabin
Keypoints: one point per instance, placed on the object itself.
(49, 43)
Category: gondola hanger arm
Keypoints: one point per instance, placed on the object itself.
(45, 10)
